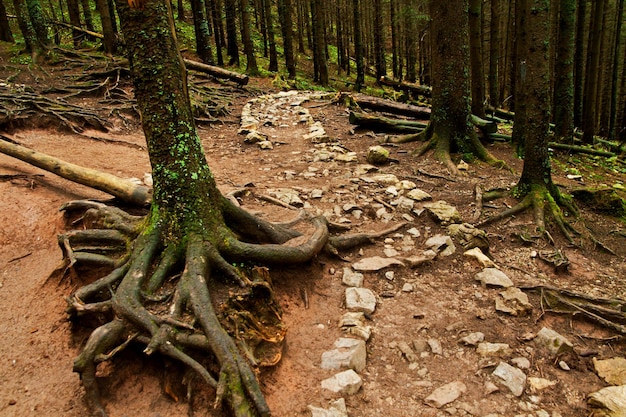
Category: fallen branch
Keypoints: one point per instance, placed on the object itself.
(387, 106)
(123, 189)
(241, 79)
(386, 124)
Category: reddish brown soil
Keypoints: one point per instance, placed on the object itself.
(38, 344)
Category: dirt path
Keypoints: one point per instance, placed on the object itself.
(444, 302)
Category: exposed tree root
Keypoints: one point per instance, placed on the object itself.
(540, 199)
(162, 293)
(608, 312)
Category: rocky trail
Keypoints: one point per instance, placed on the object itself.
(437, 318)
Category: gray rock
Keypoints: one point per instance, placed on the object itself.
(473, 339)
(443, 212)
(608, 402)
(255, 137)
(407, 352)
(513, 301)
(435, 346)
(441, 244)
(417, 260)
(493, 349)
(349, 353)
(521, 362)
(385, 179)
(287, 196)
(513, 378)
(360, 299)
(445, 394)
(345, 383)
(352, 278)
(469, 236)
(336, 409)
(353, 323)
(418, 195)
(553, 341)
(494, 277)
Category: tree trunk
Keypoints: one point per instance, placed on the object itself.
(358, 46)
(285, 10)
(39, 23)
(86, 6)
(579, 62)
(5, 31)
(476, 58)
(564, 73)
(536, 49)
(494, 53)
(251, 66)
(319, 44)
(521, 75)
(617, 48)
(74, 12)
(26, 28)
(218, 29)
(593, 68)
(201, 30)
(379, 40)
(232, 49)
(269, 27)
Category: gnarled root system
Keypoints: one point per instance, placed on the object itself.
(166, 293)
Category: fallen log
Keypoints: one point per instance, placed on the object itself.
(120, 188)
(579, 149)
(410, 88)
(386, 106)
(386, 124)
(241, 79)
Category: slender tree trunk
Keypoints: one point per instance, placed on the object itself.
(579, 62)
(536, 47)
(251, 66)
(218, 29)
(86, 6)
(110, 40)
(358, 46)
(495, 40)
(269, 27)
(521, 74)
(201, 30)
(476, 58)
(618, 52)
(111, 4)
(180, 10)
(231, 32)
(300, 16)
(319, 46)
(23, 21)
(74, 11)
(5, 30)
(394, 39)
(379, 40)
(564, 73)
(285, 9)
(593, 67)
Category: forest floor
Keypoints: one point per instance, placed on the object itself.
(442, 303)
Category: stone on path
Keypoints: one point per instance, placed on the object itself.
(608, 402)
(418, 195)
(349, 353)
(513, 378)
(353, 323)
(345, 383)
(482, 259)
(336, 409)
(375, 263)
(493, 349)
(555, 343)
(612, 370)
(443, 212)
(445, 394)
(351, 278)
(493, 277)
(473, 339)
(441, 244)
(469, 236)
(539, 384)
(514, 302)
(360, 299)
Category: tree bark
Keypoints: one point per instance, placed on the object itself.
(201, 30)
(248, 47)
(564, 73)
(494, 53)
(358, 46)
(241, 79)
(389, 106)
(232, 49)
(476, 58)
(5, 30)
(285, 10)
(593, 68)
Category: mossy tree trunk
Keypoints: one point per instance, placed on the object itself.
(450, 127)
(535, 186)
